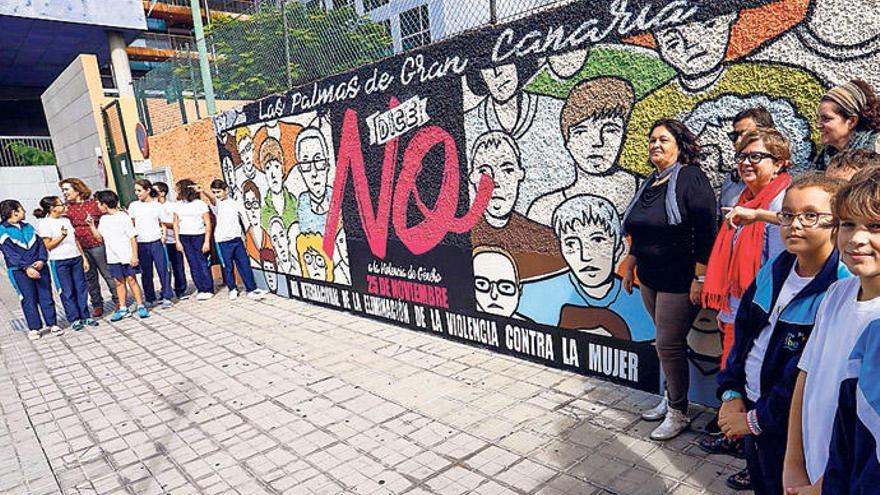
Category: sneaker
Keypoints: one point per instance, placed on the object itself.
(98, 312)
(657, 412)
(34, 335)
(740, 481)
(120, 314)
(142, 312)
(256, 295)
(91, 322)
(56, 330)
(675, 423)
(166, 303)
(183, 297)
(233, 294)
(78, 325)
(204, 296)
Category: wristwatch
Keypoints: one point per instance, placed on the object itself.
(729, 395)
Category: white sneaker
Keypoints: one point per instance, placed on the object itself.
(34, 335)
(233, 294)
(256, 295)
(56, 330)
(675, 423)
(204, 296)
(657, 412)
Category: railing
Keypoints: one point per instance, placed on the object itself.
(231, 6)
(164, 41)
(22, 151)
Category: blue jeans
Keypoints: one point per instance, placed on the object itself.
(34, 294)
(233, 253)
(70, 279)
(175, 259)
(198, 262)
(153, 254)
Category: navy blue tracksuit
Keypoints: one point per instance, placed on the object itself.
(70, 280)
(152, 254)
(175, 262)
(199, 268)
(21, 248)
(233, 253)
(779, 371)
(853, 467)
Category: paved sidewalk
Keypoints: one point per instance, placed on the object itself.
(286, 397)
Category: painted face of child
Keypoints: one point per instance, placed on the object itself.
(316, 265)
(496, 288)
(502, 81)
(697, 47)
(252, 208)
(271, 277)
(246, 152)
(590, 252)
(501, 165)
(811, 229)
(278, 234)
(313, 165)
(595, 142)
(275, 175)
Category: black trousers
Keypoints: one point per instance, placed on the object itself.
(765, 456)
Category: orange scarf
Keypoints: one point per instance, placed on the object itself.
(736, 259)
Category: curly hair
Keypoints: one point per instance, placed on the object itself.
(688, 149)
(79, 186)
(869, 116)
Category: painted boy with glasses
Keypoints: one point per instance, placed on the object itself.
(775, 318)
(314, 166)
(588, 230)
(497, 287)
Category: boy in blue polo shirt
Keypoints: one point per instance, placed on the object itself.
(772, 327)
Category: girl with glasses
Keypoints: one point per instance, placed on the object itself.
(67, 262)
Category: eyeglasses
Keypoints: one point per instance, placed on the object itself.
(754, 157)
(306, 166)
(252, 205)
(504, 287)
(807, 218)
(315, 259)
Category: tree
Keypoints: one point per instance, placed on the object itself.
(248, 51)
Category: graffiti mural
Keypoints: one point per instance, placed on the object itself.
(475, 188)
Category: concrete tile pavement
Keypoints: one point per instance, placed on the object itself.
(286, 397)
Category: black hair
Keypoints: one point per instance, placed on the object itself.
(219, 184)
(185, 191)
(161, 187)
(46, 205)
(759, 114)
(7, 208)
(107, 198)
(688, 149)
(526, 67)
(147, 186)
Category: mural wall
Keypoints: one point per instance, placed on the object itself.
(474, 188)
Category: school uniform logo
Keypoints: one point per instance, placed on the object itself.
(793, 341)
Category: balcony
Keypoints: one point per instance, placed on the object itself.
(178, 11)
(156, 47)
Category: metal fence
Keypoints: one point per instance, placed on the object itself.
(23, 151)
(260, 47)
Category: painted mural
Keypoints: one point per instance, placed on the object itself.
(475, 188)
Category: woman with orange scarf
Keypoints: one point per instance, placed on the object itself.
(762, 158)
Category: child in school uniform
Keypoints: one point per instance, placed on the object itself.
(175, 257)
(118, 234)
(192, 232)
(67, 263)
(772, 326)
(147, 213)
(844, 323)
(26, 256)
(228, 235)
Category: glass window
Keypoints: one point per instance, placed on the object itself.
(415, 27)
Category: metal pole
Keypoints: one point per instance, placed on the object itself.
(286, 47)
(493, 16)
(203, 56)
